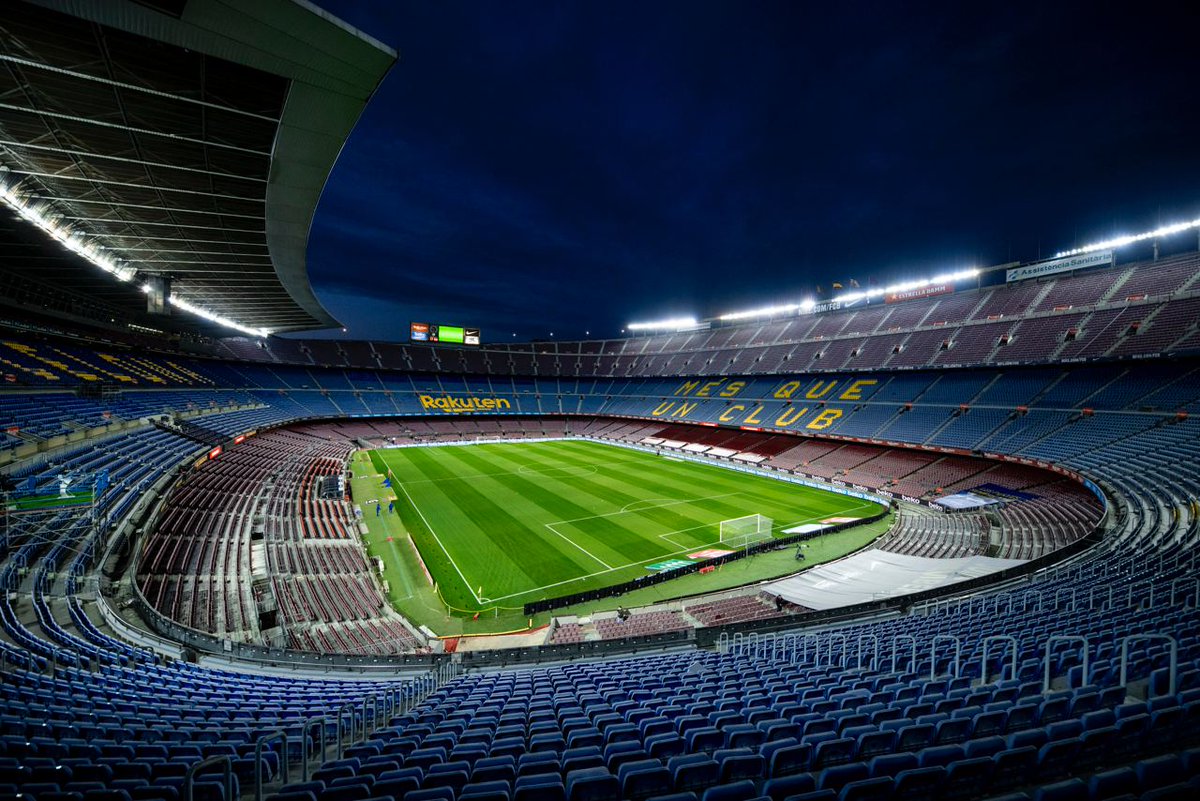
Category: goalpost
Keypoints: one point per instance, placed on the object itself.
(742, 532)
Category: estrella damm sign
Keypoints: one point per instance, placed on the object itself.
(453, 405)
(786, 407)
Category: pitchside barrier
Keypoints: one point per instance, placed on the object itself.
(550, 604)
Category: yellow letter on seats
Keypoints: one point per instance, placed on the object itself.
(824, 420)
(854, 391)
(816, 390)
(787, 390)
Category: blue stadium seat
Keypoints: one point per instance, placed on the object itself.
(1069, 790)
(965, 777)
(878, 789)
(918, 783)
(736, 791)
(787, 786)
(1113, 783)
(592, 784)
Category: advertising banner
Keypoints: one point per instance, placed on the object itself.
(1101, 258)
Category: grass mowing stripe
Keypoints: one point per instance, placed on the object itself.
(539, 563)
(510, 491)
(615, 504)
(452, 581)
(554, 495)
(635, 524)
(697, 521)
(518, 509)
(524, 468)
(500, 536)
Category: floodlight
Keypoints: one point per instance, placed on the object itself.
(767, 311)
(808, 304)
(191, 308)
(1129, 239)
(77, 243)
(672, 323)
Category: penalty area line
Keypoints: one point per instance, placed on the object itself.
(577, 545)
(647, 561)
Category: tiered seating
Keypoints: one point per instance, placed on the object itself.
(1010, 301)
(735, 609)
(840, 460)
(373, 635)
(850, 709)
(888, 468)
(1039, 338)
(1083, 290)
(1162, 277)
(198, 569)
(84, 713)
(1029, 530)
(638, 625)
(963, 328)
(1171, 321)
(566, 634)
(937, 475)
(943, 536)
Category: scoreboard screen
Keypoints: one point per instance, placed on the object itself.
(447, 334)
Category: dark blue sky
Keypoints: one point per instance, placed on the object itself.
(568, 167)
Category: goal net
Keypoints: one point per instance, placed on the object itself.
(742, 532)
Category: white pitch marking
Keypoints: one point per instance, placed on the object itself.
(457, 569)
(658, 558)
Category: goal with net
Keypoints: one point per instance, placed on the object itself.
(742, 532)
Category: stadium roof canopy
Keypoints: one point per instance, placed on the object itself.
(189, 138)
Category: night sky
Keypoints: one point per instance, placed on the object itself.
(570, 167)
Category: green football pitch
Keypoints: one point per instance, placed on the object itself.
(501, 525)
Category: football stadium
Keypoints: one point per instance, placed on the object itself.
(934, 539)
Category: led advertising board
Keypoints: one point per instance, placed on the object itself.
(443, 334)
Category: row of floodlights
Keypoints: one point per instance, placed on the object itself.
(73, 241)
(808, 304)
(1129, 239)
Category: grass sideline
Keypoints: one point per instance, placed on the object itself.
(534, 520)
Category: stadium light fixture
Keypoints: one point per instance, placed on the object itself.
(908, 286)
(1121, 241)
(78, 244)
(672, 323)
(192, 308)
(64, 235)
(808, 304)
(766, 311)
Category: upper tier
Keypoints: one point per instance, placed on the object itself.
(1137, 310)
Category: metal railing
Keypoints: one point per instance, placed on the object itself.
(1150, 636)
(1065, 638)
(983, 664)
(259, 746)
(189, 779)
(933, 654)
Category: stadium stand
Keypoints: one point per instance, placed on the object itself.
(1042, 512)
(1061, 409)
(904, 713)
(1091, 314)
